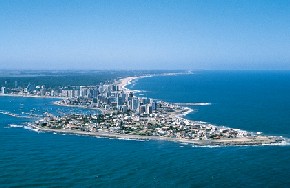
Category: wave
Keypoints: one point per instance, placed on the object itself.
(189, 110)
(138, 91)
(32, 129)
(208, 146)
(140, 140)
(285, 142)
(121, 138)
(14, 115)
(15, 126)
(27, 127)
(195, 104)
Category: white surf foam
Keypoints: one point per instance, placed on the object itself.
(15, 126)
(194, 104)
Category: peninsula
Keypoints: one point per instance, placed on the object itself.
(124, 115)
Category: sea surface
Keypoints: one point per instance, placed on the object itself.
(253, 101)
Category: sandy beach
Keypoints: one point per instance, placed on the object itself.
(126, 81)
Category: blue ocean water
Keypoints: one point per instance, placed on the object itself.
(250, 100)
(256, 101)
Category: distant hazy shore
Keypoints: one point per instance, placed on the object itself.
(29, 96)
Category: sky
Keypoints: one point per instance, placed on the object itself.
(147, 34)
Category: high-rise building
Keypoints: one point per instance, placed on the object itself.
(142, 109)
(93, 93)
(154, 105)
(131, 94)
(115, 88)
(124, 108)
(70, 93)
(64, 93)
(134, 103)
(42, 91)
(52, 93)
(3, 90)
(148, 109)
(83, 91)
(76, 93)
(30, 87)
(145, 100)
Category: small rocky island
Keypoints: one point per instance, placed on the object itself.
(124, 115)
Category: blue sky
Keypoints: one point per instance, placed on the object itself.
(122, 34)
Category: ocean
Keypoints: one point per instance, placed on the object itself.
(256, 101)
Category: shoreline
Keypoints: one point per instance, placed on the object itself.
(30, 96)
(57, 103)
(243, 141)
(123, 82)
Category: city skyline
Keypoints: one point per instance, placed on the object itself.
(128, 35)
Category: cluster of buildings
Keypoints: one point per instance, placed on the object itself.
(79, 91)
(124, 113)
(43, 91)
(104, 96)
(165, 123)
(109, 97)
(162, 124)
(29, 90)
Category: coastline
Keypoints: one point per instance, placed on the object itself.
(261, 140)
(122, 83)
(30, 96)
(57, 103)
